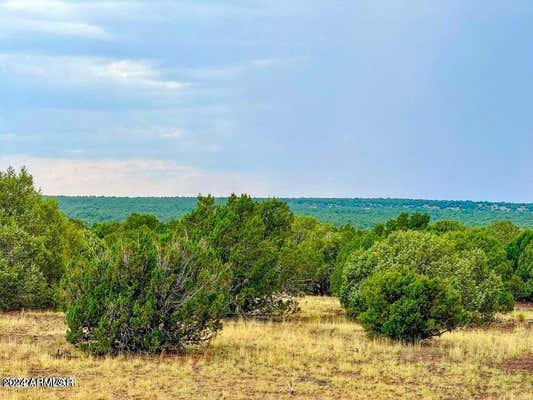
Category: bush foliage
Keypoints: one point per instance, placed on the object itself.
(145, 285)
(36, 243)
(248, 236)
(407, 306)
(139, 296)
(468, 274)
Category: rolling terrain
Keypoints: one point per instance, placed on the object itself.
(363, 213)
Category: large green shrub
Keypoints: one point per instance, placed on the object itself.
(503, 231)
(524, 274)
(247, 235)
(482, 289)
(476, 238)
(308, 257)
(407, 306)
(404, 221)
(520, 255)
(140, 296)
(36, 243)
(350, 241)
(447, 225)
(22, 286)
(359, 266)
(518, 246)
(22, 283)
(467, 271)
(113, 231)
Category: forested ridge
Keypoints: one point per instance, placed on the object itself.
(360, 212)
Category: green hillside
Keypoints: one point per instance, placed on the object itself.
(362, 213)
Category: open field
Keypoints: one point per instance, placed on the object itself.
(316, 354)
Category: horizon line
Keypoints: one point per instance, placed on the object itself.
(289, 198)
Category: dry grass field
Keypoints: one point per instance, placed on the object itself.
(316, 354)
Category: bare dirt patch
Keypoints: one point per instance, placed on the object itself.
(433, 361)
(523, 305)
(426, 356)
(312, 379)
(518, 364)
(500, 324)
(505, 325)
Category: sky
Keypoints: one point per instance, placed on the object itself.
(409, 99)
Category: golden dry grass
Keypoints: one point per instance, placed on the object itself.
(316, 354)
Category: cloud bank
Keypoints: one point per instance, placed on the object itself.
(134, 177)
(83, 70)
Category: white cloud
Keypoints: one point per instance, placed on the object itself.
(15, 24)
(47, 7)
(50, 16)
(137, 72)
(135, 177)
(147, 74)
(80, 10)
(68, 70)
(173, 134)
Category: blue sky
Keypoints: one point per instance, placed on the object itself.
(418, 99)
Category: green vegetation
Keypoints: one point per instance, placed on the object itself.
(248, 236)
(432, 264)
(36, 243)
(404, 305)
(308, 256)
(520, 254)
(138, 296)
(361, 213)
(149, 285)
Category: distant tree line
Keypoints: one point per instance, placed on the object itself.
(143, 285)
(362, 213)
